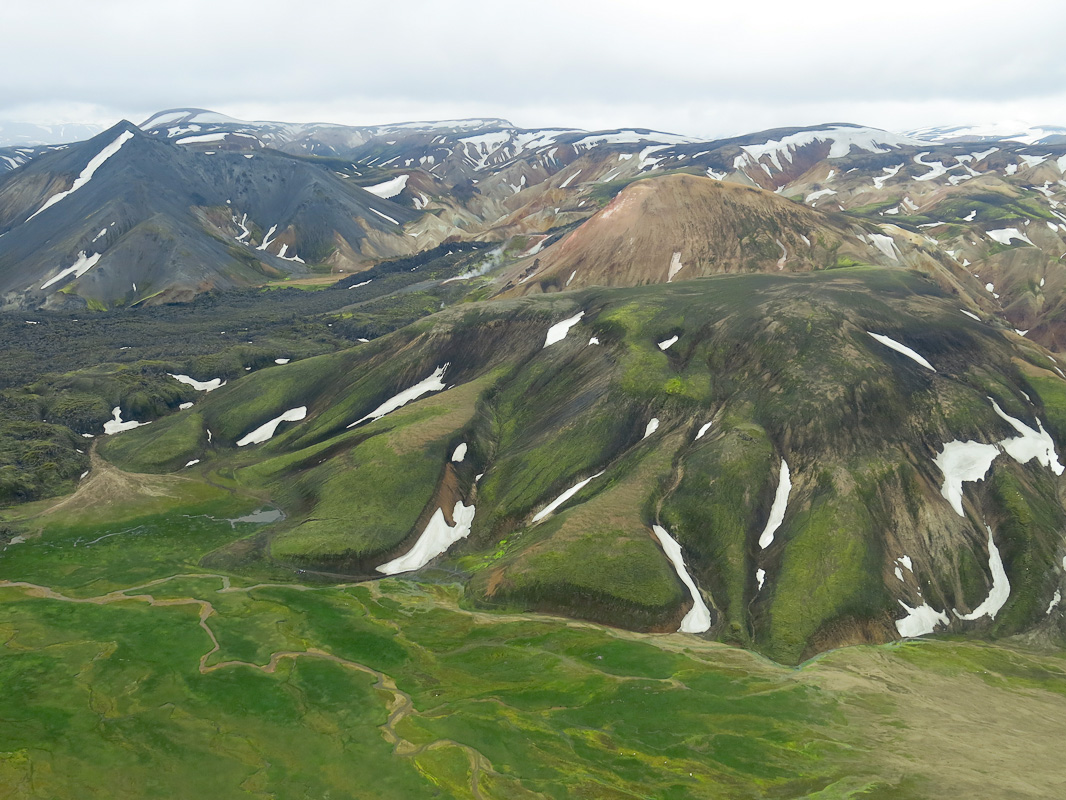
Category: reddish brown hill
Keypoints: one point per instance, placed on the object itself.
(707, 226)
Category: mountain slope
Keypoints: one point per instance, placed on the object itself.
(123, 219)
(672, 405)
(680, 227)
(999, 132)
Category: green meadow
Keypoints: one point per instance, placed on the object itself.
(131, 671)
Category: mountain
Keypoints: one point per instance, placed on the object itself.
(842, 456)
(503, 462)
(124, 219)
(998, 132)
(341, 198)
(29, 134)
(681, 226)
(316, 138)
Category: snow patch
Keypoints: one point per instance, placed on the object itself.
(820, 193)
(267, 430)
(1000, 591)
(390, 188)
(86, 174)
(936, 168)
(558, 501)
(970, 461)
(901, 348)
(116, 425)
(82, 265)
(963, 461)
(842, 140)
(203, 139)
(652, 426)
(675, 266)
(437, 537)
(1005, 235)
(698, 619)
(777, 510)
(558, 331)
(1030, 443)
(566, 183)
(266, 239)
(703, 429)
(920, 621)
(668, 343)
(890, 172)
(385, 216)
(459, 454)
(886, 244)
(200, 386)
(433, 383)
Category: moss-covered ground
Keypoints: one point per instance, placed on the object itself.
(131, 672)
(784, 367)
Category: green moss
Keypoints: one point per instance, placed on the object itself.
(716, 509)
(1051, 391)
(358, 504)
(606, 574)
(1029, 539)
(829, 570)
(165, 446)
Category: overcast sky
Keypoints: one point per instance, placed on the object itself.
(701, 68)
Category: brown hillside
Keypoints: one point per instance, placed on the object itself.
(709, 226)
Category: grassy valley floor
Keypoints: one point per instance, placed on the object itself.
(130, 671)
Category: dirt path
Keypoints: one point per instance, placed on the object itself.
(105, 484)
(399, 706)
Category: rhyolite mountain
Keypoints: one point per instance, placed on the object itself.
(340, 198)
(791, 390)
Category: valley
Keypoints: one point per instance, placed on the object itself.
(184, 680)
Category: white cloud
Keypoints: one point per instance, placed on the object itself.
(693, 67)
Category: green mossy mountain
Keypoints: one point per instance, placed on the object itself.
(781, 366)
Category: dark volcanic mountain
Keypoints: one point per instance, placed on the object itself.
(123, 218)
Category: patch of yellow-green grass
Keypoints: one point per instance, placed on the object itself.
(366, 499)
(164, 446)
(599, 559)
(826, 571)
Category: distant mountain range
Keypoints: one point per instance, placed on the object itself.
(999, 132)
(30, 134)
